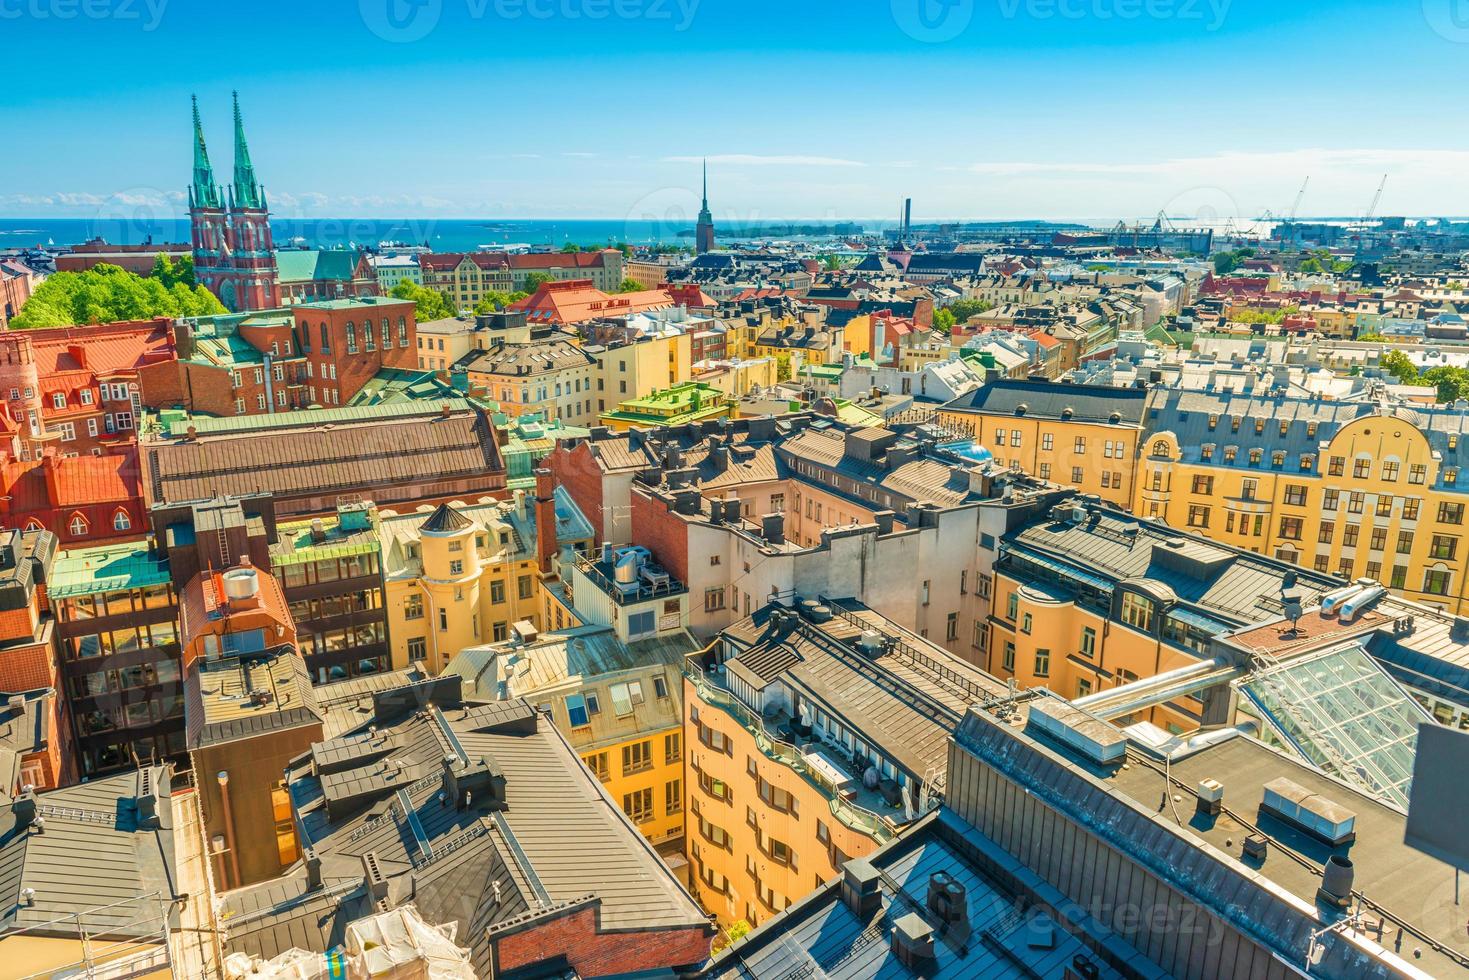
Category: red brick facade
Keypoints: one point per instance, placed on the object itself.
(347, 343)
(576, 935)
(577, 471)
(661, 532)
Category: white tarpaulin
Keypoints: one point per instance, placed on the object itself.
(392, 945)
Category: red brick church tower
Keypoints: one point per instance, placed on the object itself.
(234, 255)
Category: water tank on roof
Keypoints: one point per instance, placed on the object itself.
(241, 583)
(627, 569)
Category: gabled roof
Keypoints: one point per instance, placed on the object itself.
(315, 265)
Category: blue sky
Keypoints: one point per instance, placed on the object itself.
(601, 108)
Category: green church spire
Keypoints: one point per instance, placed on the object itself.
(247, 190)
(204, 192)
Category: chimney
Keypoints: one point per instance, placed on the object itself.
(912, 942)
(53, 487)
(773, 528)
(884, 521)
(545, 519)
(861, 889)
(312, 860)
(24, 809)
(1211, 797)
(78, 353)
(373, 878)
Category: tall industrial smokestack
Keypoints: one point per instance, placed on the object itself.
(907, 215)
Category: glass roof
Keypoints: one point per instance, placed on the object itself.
(1343, 714)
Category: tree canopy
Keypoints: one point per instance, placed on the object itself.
(493, 300)
(534, 280)
(107, 293)
(629, 286)
(429, 304)
(171, 273)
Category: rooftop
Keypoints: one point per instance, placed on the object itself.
(241, 697)
(107, 568)
(481, 816)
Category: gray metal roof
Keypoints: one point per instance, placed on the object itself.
(558, 840)
(94, 857)
(1049, 399)
(218, 706)
(822, 936)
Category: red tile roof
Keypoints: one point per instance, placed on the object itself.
(80, 481)
(577, 300)
(106, 349)
(444, 261)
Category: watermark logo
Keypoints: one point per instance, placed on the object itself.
(933, 21)
(1210, 13)
(1449, 19)
(401, 21)
(404, 21)
(147, 14)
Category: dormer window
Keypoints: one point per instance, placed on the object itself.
(58, 400)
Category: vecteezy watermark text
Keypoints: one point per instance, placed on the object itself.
(412, 20)
(147, 13)
(934, 21)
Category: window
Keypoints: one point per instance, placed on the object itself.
(1048, 441)
(1390, 471)
(576, 711)
(1249, 488)
(1088, 641)
(417, 649)
(1198, 516)
(1204, 485)
(1379, 539)
(1009, 656)
(1336, 466)
(1361, 468)
(443, 620)
(121, 521)
(1025, 623)
(497, 591)
(1443, 547)
(672, 747)
(1349, 535)
(636, 757)
(951, 628)
(1295, 495)
(1418, 473)
(1450, 513)
(1080, 446)
(1290, 528)
(456, 567)
(1410, 508)
(638, 805)
(1436, 581)
(1076, 474)
(660, 687)
(1325, 532)
(1329, 499)
(1012, 606)
(413, 606)
(673, 796)
(77, 526)
(1137, 611)
(714, 598)
(1384, 505)
(625, 697)
(1043, 663)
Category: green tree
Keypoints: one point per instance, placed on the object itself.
(783, 366)
(963, 309)
(106, 294)
(171, 273)
(1400, 366)
(629, 286)
(1452, 383)
(429, 304)
(831, 263)
(492, 300)
(571, 247)
(535, 279)
(943, 319)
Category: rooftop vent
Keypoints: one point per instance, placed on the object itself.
(1336, 882)
(1095, 739)
(861, 889)
(1318, 816)
(241, 584)
(1211, 797)
(912, 942)
(948, 899)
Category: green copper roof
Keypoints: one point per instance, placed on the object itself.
(391, 385)
(106, 568)
(247, 190)
(306, 265)
(306, 417)
(204, 192)
(296, 545)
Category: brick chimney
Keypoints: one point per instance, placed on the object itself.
(78, 353)
(545, 519)
(49, 464)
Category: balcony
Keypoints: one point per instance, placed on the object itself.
(632, 585)
(865, 810)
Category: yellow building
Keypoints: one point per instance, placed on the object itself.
(1356, 489)
(691, 401)
(637, 370)
(794, 764)
(463, 576)
(619, 704)
(1082, 436)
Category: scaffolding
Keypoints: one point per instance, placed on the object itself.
(137, 946)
